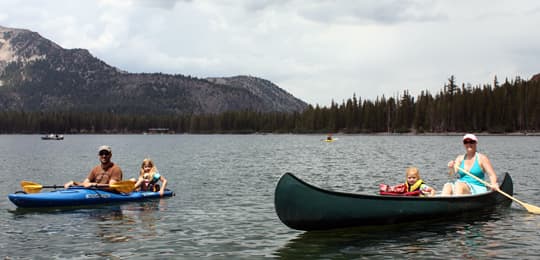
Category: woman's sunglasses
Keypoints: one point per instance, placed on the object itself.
(104, 153)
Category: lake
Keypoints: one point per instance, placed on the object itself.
(224, 208)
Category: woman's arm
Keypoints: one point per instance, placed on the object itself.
(488, 168)
(452, 164)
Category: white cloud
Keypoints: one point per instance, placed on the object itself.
(317, 50)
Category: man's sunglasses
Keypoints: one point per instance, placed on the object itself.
(469, 142)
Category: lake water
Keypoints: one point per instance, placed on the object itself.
(224, 208)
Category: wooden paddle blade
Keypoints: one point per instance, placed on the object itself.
(123, 186)
(531, 208)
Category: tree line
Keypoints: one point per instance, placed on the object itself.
(513, 106)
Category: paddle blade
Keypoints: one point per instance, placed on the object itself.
(29, 183)
(123, 186)
(31, 187)
(531, 208)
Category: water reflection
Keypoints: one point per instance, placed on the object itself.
(461, 236)
(143, 215)
(98, 210)
(226, 188)
(123, 223)
(111, 223)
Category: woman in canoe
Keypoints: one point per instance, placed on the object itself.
(474, 163)
(148, 178)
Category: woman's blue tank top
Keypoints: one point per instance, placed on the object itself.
(476, 170)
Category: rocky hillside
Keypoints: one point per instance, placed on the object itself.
(535, 78)
(38, 75)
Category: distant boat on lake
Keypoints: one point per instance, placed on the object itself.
(158, 131)
(52, 137)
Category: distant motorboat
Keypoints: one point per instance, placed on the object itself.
(53, 137)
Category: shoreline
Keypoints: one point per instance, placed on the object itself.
(333, 134)
(461, 134)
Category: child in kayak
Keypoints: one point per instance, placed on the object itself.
(413, 186)
(148, 178)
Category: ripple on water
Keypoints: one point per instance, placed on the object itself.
(224, 204)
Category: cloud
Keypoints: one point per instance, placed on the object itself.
(164, 4)
(384, 12)
(318, 50)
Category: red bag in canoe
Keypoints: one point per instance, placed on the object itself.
(397, 190)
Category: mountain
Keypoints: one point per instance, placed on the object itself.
(535, 78)
(37, 74)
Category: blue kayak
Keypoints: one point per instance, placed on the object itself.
(79, 196)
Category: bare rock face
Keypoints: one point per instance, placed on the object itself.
(36, 74)
(536, 78)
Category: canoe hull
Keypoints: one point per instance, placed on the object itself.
(78, 197)
(302, 206)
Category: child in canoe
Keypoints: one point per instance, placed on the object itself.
(414, 186)
(148, 178)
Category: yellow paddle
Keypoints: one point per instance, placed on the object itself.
(531, 208)
(32, 187)
(121, 186)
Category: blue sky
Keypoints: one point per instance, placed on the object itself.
(317, 50)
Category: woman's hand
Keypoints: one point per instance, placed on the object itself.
(451, 164)
(451, 167)
(495, 187)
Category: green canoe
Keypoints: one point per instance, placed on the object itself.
(302, 206)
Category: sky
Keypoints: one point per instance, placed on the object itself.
(317, 50)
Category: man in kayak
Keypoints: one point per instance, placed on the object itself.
(105, 173)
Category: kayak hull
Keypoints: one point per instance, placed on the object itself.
(76, 196)
(302, 206)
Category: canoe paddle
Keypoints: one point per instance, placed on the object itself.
(530, 208)
(121, 186)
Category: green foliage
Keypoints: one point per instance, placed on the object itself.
(508, 107)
